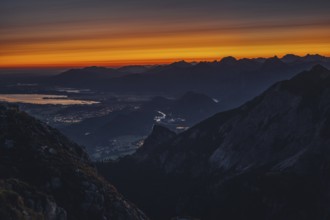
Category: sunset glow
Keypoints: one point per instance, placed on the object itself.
(113, 35)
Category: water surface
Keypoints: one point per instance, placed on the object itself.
(42, 99)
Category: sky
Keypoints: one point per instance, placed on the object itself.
(74, 33)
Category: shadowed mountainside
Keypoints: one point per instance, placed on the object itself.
(268, 159)
(45, 176)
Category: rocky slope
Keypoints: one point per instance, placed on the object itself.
(45, 176)
(268, 159)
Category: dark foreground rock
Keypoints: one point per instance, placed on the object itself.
(46, 176)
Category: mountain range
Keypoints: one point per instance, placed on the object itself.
(230, 80)
(267, 159)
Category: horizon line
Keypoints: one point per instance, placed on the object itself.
(154, 62)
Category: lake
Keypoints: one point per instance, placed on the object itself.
(42, 99)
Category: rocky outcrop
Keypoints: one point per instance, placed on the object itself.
(159, 134)
(19, 201)
(46, 176)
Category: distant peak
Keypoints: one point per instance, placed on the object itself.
(290, 55)
(314, 58)
(289, 58)
(313, 55)
(273, 63)
(94, 68)
(308, 82)
(159, 129)
(228, 60)
(274, 58)
(319, 68)
(181, 63)
(317, 74)
(159, 135)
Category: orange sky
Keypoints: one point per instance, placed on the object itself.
(107, 41)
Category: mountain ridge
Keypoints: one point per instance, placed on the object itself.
(46, 176)
(267, 159)
(234, 81)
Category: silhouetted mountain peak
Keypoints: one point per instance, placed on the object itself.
(290, 58)
(132, 69)
(181, 64)
(272, 64)
(228, 60)
(160, 130)
(319, 68)
(158, 136)
(309, 82)
(274, 59)
(314, 57)
(87, 75)
(96, 68)
(318, 74)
